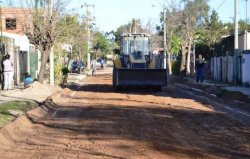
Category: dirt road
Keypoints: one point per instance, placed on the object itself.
(89, 120)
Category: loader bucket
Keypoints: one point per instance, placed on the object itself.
(139, 77)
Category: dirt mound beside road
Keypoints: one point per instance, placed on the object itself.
(36, 91)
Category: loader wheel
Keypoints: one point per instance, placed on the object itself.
(115, 87)
(157, 88)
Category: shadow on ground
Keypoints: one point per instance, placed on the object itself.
(192, 133)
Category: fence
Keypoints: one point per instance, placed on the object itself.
(222, 68)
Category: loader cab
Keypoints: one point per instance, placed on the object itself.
(135, 51)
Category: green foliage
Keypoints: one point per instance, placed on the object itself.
(101, 45)
(175, 44)
(57, 73)
(16, 105)
(65, 70)
(176, 66)
(69, 27)
(100, 42)
(19, 107)
(5, 118)
(214, 29)
(74, 33)
(118, 33)
(228, 28)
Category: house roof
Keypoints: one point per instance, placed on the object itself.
(21, 41)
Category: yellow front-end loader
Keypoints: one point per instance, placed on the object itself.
(135, 65)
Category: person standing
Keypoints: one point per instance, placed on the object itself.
(200, 62)
(7, 72)
(93, 65)
(2, 75)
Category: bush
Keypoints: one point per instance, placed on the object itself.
(176, 67)
(65, 71)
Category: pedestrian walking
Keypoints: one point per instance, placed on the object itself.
(93, 65)
(200, 62)
(7, 72)
(102, 63)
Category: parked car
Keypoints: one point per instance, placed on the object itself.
(77, 66)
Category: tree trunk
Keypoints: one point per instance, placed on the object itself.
(188, 58)
(169, 63)
(183, 61)
(45, 56)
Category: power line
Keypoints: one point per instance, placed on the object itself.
(221, 5)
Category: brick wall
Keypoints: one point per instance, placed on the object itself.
(17, 19)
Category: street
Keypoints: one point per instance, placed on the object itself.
(89, 120)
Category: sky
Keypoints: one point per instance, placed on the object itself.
(110, 14)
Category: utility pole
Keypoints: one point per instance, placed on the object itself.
(1, 44)
(236, 47)
(51, 55)
(1, 40)
(88, 20)
(165, 38)
(194, 60)
(246, 32)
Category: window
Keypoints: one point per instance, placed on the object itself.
(10, 24)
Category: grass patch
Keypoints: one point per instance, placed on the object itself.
(13, 109)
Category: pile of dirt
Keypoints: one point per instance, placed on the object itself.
(43, 89)
(36, 91)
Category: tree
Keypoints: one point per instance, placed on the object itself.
(182, 19)
(73, 33)
(44, 32)
(172, 23)
(194, 14)
(101, 44)
(118, 35)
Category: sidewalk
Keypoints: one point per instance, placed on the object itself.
(35, 92)
(4, 99)
(244, 90)
(5, 96)
(228, 87)
(75, 77)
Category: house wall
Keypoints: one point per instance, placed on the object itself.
(241, 41)
(245, 68)
(248, 41)
(22, 16)
(26, 57)
(244, 41)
